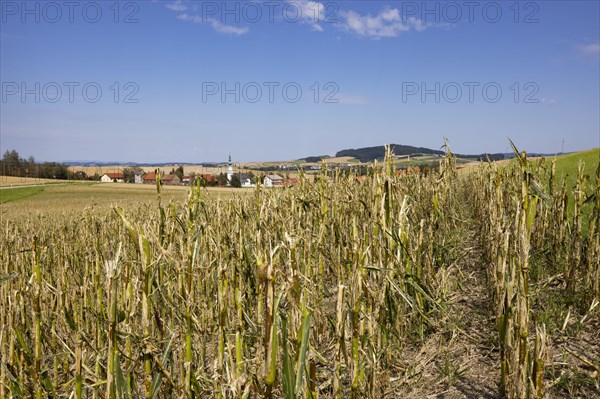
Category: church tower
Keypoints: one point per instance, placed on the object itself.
(229, 171)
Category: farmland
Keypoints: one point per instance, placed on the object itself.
(11, 181)
(62, 198)
(18, 193)
(476, 284)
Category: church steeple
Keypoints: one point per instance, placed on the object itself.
(229, 171)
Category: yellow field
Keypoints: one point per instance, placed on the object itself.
(99, 198)
(25, 181)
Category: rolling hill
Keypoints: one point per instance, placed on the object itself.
(369, 154)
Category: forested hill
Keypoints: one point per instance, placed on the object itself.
(369, 154)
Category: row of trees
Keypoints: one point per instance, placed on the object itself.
(13, 165)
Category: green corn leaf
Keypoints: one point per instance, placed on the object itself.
(145, 248)
(303, 337)
(531, 211)
(287, 370)
(69, 317)
(15, 388)
(133, 234)
(122, 388)
(8, 278)
(46, 383)
(518, 155)
(273, 348)
(156, 383)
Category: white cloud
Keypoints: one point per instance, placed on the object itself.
(306, 12)
(388, 23)
(589, 49)
(176, 6)
(229, 29)
(216, 25)
(190, 18)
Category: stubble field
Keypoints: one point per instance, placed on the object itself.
(395, 286)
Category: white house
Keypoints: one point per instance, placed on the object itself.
(112, 178)
(246, 181)
(138, 178)
(273, 181)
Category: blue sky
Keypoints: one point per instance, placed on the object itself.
(370, 72)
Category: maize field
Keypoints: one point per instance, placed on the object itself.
(340, 287)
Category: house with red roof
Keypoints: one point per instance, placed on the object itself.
(170, 180)
(113, 178)
(150, 178)
(209, 179)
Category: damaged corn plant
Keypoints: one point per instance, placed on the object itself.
(312, 291)
(526, 216)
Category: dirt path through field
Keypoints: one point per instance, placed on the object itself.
(475, 345)
(460, 361)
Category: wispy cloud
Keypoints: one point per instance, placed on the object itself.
(190, 18)
(388, 23)
(589, 49)
(215, 24)
(589, 52)
(229, 29)
(308, 12)
(176, 6)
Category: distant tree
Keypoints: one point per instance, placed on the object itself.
(235, 181)
(179, 172)
(222, 179)
(78, 175)
(53, 170)
(31, 167)
(12, 156)
(253, 178)
(12, 163)
(129, 173)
